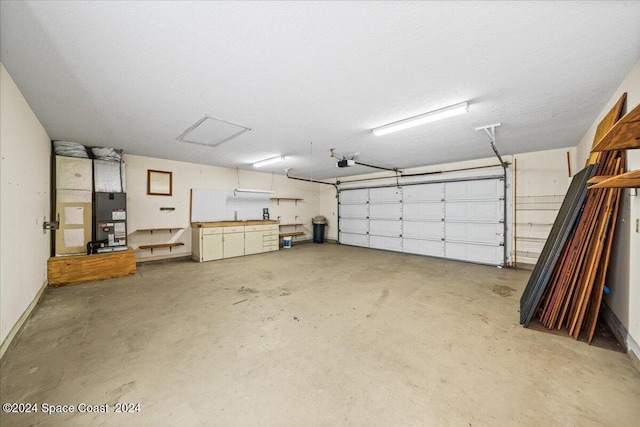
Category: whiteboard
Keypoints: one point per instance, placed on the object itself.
(220, 205)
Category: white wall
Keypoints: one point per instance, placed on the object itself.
(25, 151)
(144, 210)
(542, 178)
(623, 277)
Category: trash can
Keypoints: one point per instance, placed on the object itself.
(319, 223)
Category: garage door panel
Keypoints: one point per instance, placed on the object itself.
(355, 226)
(385, 228)
(478, 210)
(423, 192)
(386, 243)
(460, 220)
(354, 239)
(480, 189)
(385, 211)
(354, 196)
(474, 232)
(423, 247)
(354, 211)
(484, 254)
(423, 230)
(423, 211)
(385, 195)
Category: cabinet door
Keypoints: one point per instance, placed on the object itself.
(211, 247)
(233, 244)
(253, 242)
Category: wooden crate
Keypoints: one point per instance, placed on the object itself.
(72, 270)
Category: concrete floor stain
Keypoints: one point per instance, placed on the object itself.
(503, 291)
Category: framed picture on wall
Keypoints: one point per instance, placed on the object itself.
(159, 183)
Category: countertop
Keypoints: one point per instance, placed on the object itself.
(234, 223)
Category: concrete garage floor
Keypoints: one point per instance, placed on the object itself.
(313, 335)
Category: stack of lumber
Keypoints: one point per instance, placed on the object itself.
(573, 296)
(566, 287)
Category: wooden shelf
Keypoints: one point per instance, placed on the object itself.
(161, 245)
(151, 230)
(626, 180)
(295, 199)
(598, 178)
(292, 234)
(291, 225)
(625, 134)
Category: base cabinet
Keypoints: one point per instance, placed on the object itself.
(253, 242)
(211, 241)
(270, 238)
(212, 247)
(233, 245)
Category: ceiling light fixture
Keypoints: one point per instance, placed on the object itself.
(431, 116)
(268, 161)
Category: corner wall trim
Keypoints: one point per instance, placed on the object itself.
(621, 333)
(17, 328)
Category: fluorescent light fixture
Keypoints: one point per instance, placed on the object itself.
(431, 116)
(246, 190)
(268, 161)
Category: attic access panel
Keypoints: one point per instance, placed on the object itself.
(212, 132)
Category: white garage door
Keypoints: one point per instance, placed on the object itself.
(460, 220)
(354, 218)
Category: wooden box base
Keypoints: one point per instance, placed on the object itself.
(72, 270)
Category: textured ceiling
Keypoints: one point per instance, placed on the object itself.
(307, 76)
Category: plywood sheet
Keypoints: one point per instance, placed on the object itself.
(551, 252)
(72, 270)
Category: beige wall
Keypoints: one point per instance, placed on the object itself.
(25, 150)
(144, 210)
(624, 271)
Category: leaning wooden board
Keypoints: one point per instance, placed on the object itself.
(605, 126)
(72, 270)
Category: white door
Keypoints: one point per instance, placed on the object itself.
(462, 220)
(233, 244)
(423, 219)
(211, 246)
(354, 217)
(253, 242)
(385, 218)
(473, 221)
